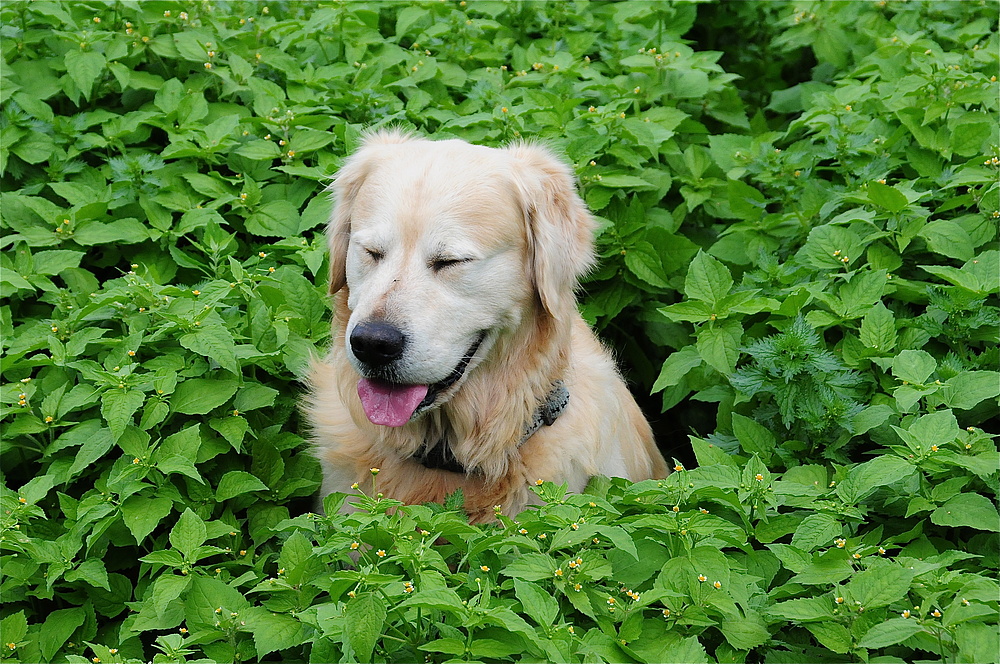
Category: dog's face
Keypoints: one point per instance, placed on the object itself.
(443, 246)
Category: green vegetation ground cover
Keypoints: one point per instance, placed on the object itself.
(798, 206)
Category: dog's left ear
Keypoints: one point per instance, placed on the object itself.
(560, 227)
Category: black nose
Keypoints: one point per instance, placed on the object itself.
(377, 344)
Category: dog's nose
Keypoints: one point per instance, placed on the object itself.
(377, 344)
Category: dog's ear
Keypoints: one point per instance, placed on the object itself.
(344, 190)
(560, 227)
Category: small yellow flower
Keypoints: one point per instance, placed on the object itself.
(934, 448)
(49, 419)
(183, 630)
(936, 613)
(559, 572)
(591, 110)
(702, 578)
(840, 542)
(906, 613)
(208, 65)
(965, 602)
(881, 551)
(380, 553)
(847, 108)
(577, 587)
(219, 610)
(840, 600)
(539, 482)
(354, 546)
(22, 500)
(759, 477)
(666, 613)
(374, 471)
(523, 531)
(484, 568)
(611, 601)
(113, 651)
(574, 526)
(717, 585)
(243, 552)
(542, 536)
(856, 556)
(55, 328)
(571, 629)
(184, 16)
(196, 292)
(351, 594)
(503, 109)
(703, 510)
(166, 14)
(676, 508)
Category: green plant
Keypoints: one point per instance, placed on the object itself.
(798, 254)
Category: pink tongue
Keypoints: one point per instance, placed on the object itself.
(389, 404)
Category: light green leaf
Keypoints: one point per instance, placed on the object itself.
(188, 533)
(886, 197)
(707, 279)
(274, 219)
(253, 396)
(93, 449)
(878, 329)
(142, 515)
(118, 406)
(865, 478)
(913, 366)
(363, 620)
(831, 635)
(166, 589)
(880, 585)
(969, 388)
(754, 438)
(539, 605)
(677, 365)
(889, 633)
(213, 340)
(237, 482)
(968, 509)
(84, 67)
(197, 396)
(816, 530)
(59, 625)
(719, 345)
(947, 238)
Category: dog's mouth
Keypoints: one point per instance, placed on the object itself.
(394, 404)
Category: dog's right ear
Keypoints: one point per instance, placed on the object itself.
(344, 190)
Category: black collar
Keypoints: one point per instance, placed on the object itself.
(440, 457)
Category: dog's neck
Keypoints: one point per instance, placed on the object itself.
(438, 455)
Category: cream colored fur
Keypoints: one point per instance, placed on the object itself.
(516, 214)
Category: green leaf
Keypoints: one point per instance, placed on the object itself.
(880, 585)
(279, 631)
(707, 279)
(831, 635)
(92, 571)
(805, 609)
(93, 449)
(878, 329)
(142, 515)
(213, 341)
(274, 219)
(448, 646)
(970, 388)
(913, 366)
(531, 567)
(84, 67)
(539, 605)
(886, 197)
(166, 589)
(865, 478)
(14, 627)
(118, 406)
(237, 482)
(197, 396)
(719, 345)
(643, 261)
(253, 396)
(827, 247)
(890, 632)
(947, 238)
(968, 509)
(188, 534)
(677, 365)
(746, 632)
(363, 620)
(754, 438)
(816, 530)
(746, 202)
(59, 625)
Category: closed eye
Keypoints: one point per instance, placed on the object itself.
(441, 262)
(374, 254)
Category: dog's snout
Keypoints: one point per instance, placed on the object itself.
(377, 344)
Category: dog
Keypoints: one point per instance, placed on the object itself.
(459, 359)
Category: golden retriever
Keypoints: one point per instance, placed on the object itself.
(459, 358)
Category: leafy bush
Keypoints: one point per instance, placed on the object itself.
(798, 238)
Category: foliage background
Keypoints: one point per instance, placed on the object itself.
(798, 206)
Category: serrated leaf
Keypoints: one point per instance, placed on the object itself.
(92, 571)
(84, 67)
(142, 515)
(59, 625)
(118, 406)
(890, 632)
(719, 345)
(213, 341)
(642, 260)
(886, 197)
(707, 279)
(865, 478)
(363, 620)
(274, 219)
(968, 509)
(93, 449)
(878, 329)
(166, 589)
(754, 438)
(188, 533)
(237, 482)
(816, 530)
(539, 605)
(677, 365)
(880, 585)
(197, 396)
(914, 366)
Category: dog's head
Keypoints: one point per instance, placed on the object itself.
(443, 246)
